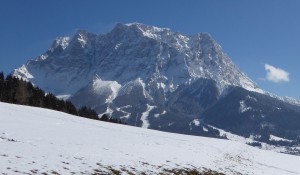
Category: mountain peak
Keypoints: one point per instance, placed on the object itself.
(82, 32)
(145, 27)
(140, 30)
(61, 41)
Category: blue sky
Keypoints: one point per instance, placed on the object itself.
(255, 34)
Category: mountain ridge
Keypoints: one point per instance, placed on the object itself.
(133, 29)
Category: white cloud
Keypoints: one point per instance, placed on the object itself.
(276, 75)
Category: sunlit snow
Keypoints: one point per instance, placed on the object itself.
(45, 141)
(145, 115)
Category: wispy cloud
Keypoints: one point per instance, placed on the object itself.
(276, 75)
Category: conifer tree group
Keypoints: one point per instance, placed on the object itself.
(17, 91)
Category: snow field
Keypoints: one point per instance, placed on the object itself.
(44, 141)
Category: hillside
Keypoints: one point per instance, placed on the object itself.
(36, 140)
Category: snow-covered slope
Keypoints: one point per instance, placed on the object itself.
(35, 140)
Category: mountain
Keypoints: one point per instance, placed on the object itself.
(257, 116)
(159, 79)
(42, 141)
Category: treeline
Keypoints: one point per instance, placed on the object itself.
(17, 91)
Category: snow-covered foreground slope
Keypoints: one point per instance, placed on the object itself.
(40, 140)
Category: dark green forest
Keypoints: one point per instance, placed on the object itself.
(17, 91)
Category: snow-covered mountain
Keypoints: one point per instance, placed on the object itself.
(156, 56)
(147, 76)
(133, 56)
(41, 141)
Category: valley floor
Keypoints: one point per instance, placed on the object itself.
(41, 141)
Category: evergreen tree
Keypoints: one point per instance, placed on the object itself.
(1, 85)
(71, 108)
(1, 76)
(104, 117)
(87, 113)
